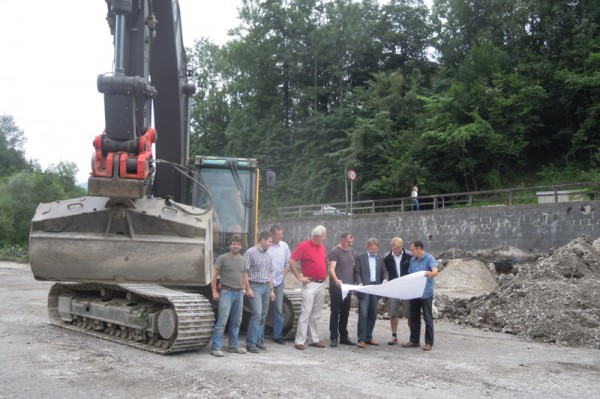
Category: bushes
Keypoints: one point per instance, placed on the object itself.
(14, 253)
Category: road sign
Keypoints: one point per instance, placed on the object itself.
(351, 175)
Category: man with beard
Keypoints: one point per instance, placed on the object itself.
(341, 271)
(228, 292)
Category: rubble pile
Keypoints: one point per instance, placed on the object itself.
(556, 299)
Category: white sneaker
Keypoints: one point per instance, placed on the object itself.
(239, 350)
(217, 353)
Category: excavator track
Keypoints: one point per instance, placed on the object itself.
(295, 299)
(142, 316)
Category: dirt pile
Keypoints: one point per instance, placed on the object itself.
(556, 299)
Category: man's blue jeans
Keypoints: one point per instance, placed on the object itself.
(260, 307)
(278, 311)
(231, 305)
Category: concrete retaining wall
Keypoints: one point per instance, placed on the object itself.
(532, 228)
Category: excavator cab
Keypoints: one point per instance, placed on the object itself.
(233, 193)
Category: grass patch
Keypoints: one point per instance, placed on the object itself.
(14, 253)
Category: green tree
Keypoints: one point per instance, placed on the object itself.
(385, 139)
(12, 143)
(210, 107)
(21, 193)
(313, 87)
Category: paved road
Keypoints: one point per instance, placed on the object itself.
(38, 360)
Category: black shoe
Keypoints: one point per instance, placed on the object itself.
(410, 344)
(333, 343)
(347, 341)
(261, 346)
(279, 341)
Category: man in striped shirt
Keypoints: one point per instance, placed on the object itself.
(259, 290)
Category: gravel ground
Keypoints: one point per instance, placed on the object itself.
(38, 360)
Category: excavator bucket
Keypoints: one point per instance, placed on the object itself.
(96, 239)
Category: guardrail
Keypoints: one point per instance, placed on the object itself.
(510, 196)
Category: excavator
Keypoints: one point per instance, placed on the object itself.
(132, 261)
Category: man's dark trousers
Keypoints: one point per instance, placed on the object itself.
(338, 320)
(415, 319)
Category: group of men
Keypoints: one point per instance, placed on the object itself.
(261, 271)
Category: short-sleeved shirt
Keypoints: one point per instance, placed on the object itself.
(312, 258)
(231, 270)
(344, 263)
(280, 256)
(426, 264)
(258, 265)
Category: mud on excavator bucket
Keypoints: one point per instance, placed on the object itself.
(148, 240)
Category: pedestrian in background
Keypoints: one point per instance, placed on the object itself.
(414, 199)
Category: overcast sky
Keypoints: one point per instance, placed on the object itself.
(51, 55)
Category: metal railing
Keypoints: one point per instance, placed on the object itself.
(510, 196)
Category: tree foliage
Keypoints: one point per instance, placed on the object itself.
(468, 95)
(12, 151)
(23, 185)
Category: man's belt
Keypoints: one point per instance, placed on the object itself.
(224, 287)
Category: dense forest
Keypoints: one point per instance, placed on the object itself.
(460, 96)
(23, 185)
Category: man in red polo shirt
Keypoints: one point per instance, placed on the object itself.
(312, 256)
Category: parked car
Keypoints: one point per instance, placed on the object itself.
(328, 210)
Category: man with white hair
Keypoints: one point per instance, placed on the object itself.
(312, 257)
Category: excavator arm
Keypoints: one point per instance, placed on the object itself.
(120, 233)
(149, 73)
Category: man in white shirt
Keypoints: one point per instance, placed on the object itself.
(279, 252)
(396, 262)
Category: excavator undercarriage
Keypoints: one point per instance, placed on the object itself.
(144, 316)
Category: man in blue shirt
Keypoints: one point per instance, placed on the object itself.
(422, 261)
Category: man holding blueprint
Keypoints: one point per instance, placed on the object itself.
(416, 286)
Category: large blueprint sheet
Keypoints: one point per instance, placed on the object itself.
(410, 286)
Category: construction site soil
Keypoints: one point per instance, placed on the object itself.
(537, 336)
(554, 300)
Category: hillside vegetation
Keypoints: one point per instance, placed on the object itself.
(23, 185)
(463, 97)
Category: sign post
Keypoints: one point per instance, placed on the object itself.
(351, 177)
